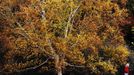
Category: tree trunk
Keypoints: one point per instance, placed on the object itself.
(60, 72)
(58, 65)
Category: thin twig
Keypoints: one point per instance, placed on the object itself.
(77, 66)
(24, 31)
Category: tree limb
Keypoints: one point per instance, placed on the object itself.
(77, 66)
(27, 69)
(69, 20)
(29, 38)
(33, 68)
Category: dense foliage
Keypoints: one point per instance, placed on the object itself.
(58, 35)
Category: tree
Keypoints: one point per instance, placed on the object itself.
(61, 34)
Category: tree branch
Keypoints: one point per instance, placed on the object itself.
(33, 68)
(77, 66)
(26, 69)
(24, 31)
(29, 38)
(50, 45)
(69, 20)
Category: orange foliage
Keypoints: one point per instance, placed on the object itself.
(85, 33)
